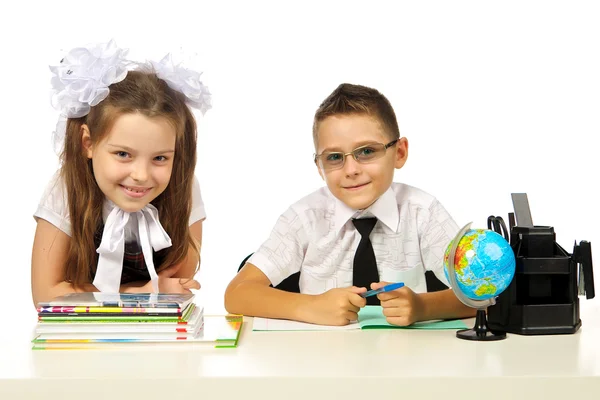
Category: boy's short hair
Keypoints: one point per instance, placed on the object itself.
(356, 99)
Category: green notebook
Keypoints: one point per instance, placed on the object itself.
(369, 317)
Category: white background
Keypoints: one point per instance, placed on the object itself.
(494, 98)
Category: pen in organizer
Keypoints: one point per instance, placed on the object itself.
(386, 288)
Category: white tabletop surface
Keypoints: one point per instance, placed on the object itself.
(298, 365)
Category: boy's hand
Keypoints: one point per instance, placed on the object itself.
(337, 306)
(402, 306)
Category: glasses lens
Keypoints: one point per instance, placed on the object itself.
(370, 152)
(332, 160)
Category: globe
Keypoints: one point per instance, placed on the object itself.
(480, 265)
(484, 264)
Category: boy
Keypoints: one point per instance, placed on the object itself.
(362, 231)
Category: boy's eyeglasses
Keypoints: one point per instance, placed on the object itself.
(329, 160)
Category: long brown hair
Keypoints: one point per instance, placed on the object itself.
(140, 92)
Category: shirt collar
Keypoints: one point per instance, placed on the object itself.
(384, 209)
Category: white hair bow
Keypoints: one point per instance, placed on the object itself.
(184, 81)
(81, 81)
(84, 75)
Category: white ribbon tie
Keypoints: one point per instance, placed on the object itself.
(112, 248)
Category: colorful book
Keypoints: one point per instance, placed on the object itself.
(116, 317)
(93, 327)
(120, 300)
(224, 331)
(218, 331)
(98, 310)
(196, 322)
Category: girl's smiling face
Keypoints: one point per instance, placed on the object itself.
(132, 163)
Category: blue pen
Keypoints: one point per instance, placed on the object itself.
(386, 288)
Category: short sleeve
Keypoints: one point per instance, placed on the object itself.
(198, 213)
(438, 230)
(54, 206)
(282, 254)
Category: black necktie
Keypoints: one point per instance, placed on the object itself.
(364, 270)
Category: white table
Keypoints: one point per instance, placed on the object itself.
(311, 365)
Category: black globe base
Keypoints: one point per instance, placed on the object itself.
(480, 331)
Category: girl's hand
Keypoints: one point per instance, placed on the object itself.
(168, 284)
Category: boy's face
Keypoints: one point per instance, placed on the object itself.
(133, 162)
(358, 184)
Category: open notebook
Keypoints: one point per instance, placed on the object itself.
(369, 317)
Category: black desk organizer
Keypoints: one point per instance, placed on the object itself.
(543, 295)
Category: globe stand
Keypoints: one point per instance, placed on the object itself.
(481, 331)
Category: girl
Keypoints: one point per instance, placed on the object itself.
(128, 157)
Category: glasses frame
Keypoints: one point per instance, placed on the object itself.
(353, 154)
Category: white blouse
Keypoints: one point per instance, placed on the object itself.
(119, 227)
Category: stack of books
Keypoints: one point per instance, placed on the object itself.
(100, 320)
